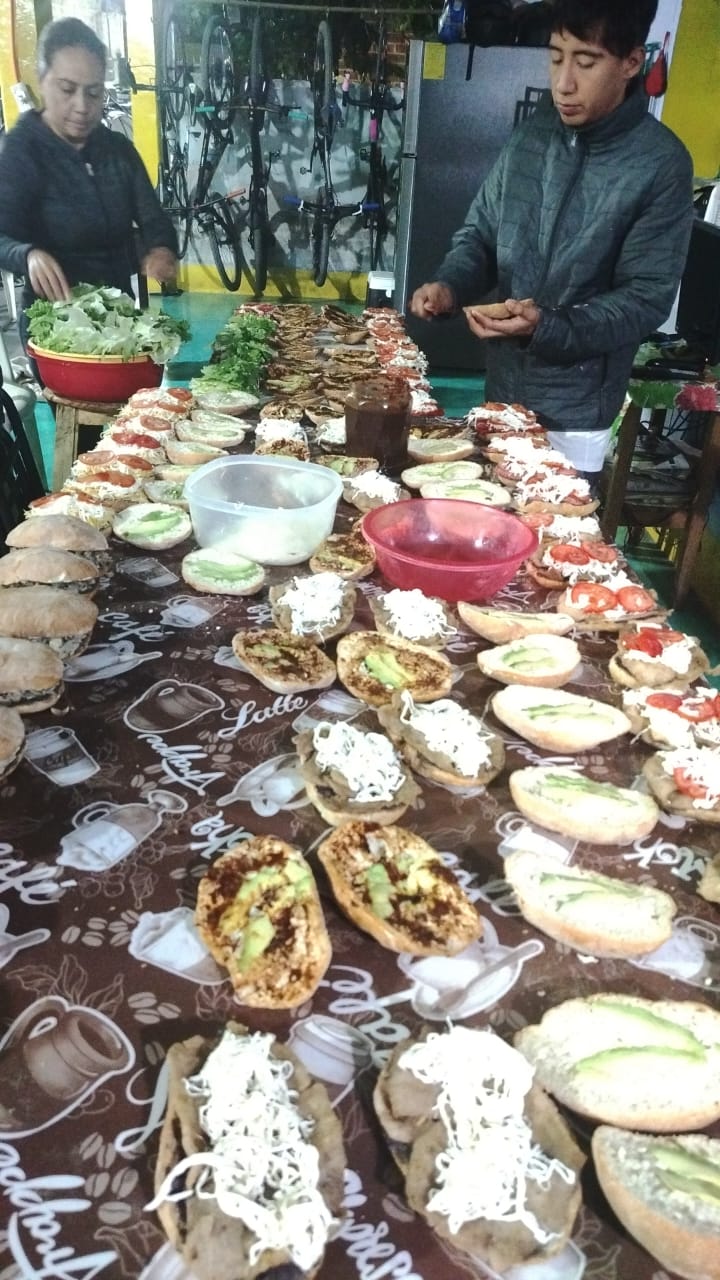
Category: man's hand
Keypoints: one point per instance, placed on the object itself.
(160, 264)
(522, 320)
(432, 300)
(46, 277)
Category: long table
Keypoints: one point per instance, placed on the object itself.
(162, 754)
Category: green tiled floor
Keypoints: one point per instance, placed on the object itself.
(207, 313)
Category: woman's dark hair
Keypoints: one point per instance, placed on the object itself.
(67, 33)
(618, 25)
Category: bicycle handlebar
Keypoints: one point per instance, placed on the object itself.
(337, 210)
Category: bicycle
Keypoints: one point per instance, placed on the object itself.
(326, 210)
(379, 100)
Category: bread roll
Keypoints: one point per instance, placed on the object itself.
(548, 661)
(502, 625)
(373, 667)
(565, 800)
(558, 721)
(628, 1061)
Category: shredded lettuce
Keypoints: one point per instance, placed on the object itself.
(103, 322)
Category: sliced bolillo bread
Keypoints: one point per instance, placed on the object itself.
(153, 525)
(558, 721)
(597, 914)
(666, 1193)
(565, 800)
(222, 572)
(443, 741)
(548, 661)
(373, 667)
(502, 625)
(628, 1061)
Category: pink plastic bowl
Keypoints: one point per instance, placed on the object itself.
(446, 548)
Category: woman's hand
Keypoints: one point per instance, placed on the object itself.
(160, 264)
(46, 276)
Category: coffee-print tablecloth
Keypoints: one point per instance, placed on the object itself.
(162, 754)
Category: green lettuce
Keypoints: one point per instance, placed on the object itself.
(104, 322)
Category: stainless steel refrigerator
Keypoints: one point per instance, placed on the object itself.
(462, 104)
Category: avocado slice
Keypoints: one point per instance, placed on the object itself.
(650, 1028)
(687, 1165)
(383, 666)
(379, 889)
(614, 1062)
(566, 710)
(527, 657)
(697, 1187)
(591, 885)
(257, 936)
(153, 522)
(226, 572)
(558, 786)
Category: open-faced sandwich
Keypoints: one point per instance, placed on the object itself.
(152, 525)
(411, 615)
(516, 467)
(221, 572)
(346, 554)
(430, 472)
(565, 495)
(211, 428)
(666, 1193)
(250, 1169)
(558, 721)
(485, 492)
(565, 800)
(668, 718)
(282, 662)
(259, 914)
(395, 886)
(439, 448)
(548, 661)
(318, 607)
(556, 528)
(597, 914)
(488, 1160)
(373, 667)
(609, 606)
(350, 773)
(687, 781)
(502, 625)
(31, 675)
(372, 489)
(347, 466)
(442, 741)
(562, 564)
(495, 418)
(655, 655)
(632, 1062)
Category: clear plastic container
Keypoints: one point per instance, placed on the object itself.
(272, 510)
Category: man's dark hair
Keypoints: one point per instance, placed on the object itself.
(67, 33)
(618, 25)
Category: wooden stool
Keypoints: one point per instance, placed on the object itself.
(706, 470)
(70, 416)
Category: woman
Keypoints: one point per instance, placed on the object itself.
(71, 192)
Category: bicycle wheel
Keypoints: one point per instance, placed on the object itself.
(219, 228)
(321, 248)
(178, 206)
(258, 82)
(259, 229)
(323, 84)
(217, 70)
(173, 65)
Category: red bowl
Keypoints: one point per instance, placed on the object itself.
(100, 378)
(448, 548)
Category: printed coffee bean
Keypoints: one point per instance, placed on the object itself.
(97, 1184)
(114, 1212)
(106, 1157)
(90, 1146)
(71, 935)
(124, 1183)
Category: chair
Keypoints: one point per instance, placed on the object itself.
(70, 416)
(20, 481)
(693, 498)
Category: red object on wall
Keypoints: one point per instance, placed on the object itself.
(656, 79)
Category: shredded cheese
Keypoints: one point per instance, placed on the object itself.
(376, 485)
(260, 1166)
(570, 528)
(509, 415)
(450, 730)
(552, 487)
(700, 765)
(490, 1155)
(315, 603)
(415, 615)
(368, 762)
(677, 655)
(270, 429)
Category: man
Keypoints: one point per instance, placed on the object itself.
(582, 226)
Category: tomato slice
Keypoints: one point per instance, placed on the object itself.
(538, 519)
(602, 552)
(665, 701)
(592, 597)
(569, 553)
(699, 709)
(636, 600)
(643, 641)
(688, 786)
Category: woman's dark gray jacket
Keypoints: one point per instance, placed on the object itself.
(593, 224)
(80, 206)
